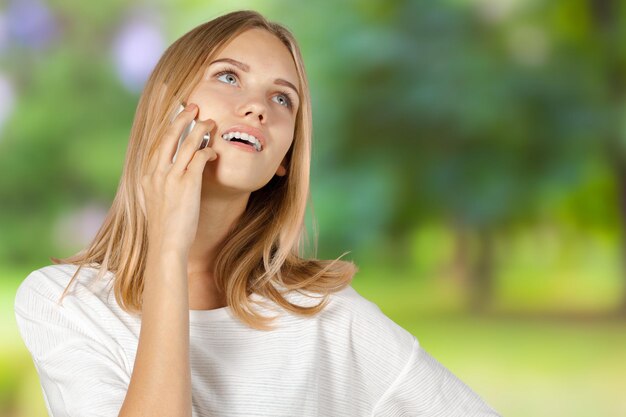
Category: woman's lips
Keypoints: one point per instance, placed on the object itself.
(242, 146)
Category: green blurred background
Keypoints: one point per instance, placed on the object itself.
(471, 154)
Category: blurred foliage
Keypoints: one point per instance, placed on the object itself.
(469, 153)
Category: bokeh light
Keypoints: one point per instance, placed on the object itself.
(136, 50)
(30, 23)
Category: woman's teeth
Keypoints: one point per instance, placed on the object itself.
(244, 137)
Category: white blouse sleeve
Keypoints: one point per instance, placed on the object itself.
(426, 388)
(81, 373)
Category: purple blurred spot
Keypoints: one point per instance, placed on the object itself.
(7, 99)
(4, 35)
(136, 51)
(30, 23)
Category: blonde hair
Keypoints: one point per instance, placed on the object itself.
(265, 246)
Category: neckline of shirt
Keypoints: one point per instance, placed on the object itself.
(225, 313)
(197, 316)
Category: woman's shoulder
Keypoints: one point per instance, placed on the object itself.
(348, 298)
(48, 283)
(366, 322)
(358, 304)
(56, 273)
(353, 299)
(53, 328)
(353, 325)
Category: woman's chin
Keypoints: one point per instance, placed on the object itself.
(231, 183)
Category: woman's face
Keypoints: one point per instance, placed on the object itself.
(248, 86)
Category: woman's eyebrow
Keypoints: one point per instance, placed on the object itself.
(246, 68)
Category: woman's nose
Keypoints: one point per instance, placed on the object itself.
(253, 106)
(261, 115)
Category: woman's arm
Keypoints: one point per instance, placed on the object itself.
(161, 381)
(160, 385)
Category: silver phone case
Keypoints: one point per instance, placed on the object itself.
(186, 131)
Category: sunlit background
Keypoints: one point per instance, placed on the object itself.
(470, 154)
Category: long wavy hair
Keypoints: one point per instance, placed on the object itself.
(265, 247)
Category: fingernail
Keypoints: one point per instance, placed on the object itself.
(190, 107)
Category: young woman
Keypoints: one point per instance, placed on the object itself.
(215, 310)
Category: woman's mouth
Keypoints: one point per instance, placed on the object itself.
(243, 140)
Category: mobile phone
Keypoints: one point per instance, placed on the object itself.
(186, 132)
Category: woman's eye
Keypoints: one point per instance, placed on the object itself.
(285, 100)
(227, 74)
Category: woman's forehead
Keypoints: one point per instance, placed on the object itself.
(260, 51)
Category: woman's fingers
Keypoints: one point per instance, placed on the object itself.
(199, 160)
(192, 144)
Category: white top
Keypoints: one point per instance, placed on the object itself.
(350, 360)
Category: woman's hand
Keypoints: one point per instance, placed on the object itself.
(171, 191)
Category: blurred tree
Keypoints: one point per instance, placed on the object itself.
(608, 34)
(450, 112)
(474, 121)
(58, 150)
